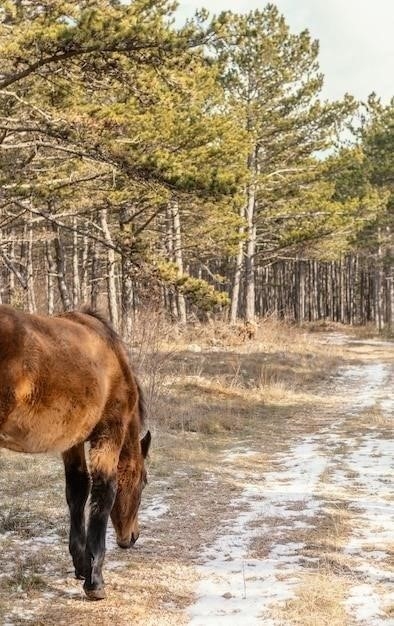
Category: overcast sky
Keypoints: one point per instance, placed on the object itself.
(356, 39)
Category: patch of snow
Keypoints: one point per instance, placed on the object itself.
(373, 462)
(240, 452)
(237, 588)
(156, 509)
(335, 339)
(365, 605)
(232, 583)
(193, 347)
(370, 378)
(18, 615)
(365, 481)
(373, 342)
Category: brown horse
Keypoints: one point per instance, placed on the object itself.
(64, 381)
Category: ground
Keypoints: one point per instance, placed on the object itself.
(269, 499)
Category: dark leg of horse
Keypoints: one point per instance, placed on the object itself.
(104, 455)
(77, 491)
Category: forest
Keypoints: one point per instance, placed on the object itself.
(190, 182)
(193, 168)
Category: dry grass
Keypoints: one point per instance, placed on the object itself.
(26, 577)
(375, 416)
(211, 378)
(318, 602)
(257, 394)
(325, 541)
(211, 388)
(270, 336)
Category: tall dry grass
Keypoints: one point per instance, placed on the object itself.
(212, 377)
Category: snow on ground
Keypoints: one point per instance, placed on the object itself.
(235, 587)
(234, 584)
(369, 381)
(373, 529)
(370, 460)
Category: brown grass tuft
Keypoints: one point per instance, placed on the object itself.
(319, 601)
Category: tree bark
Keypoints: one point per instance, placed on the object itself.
(238, 271)
(85, 270)
(51, 274)
(61, 270)
(31, 297)
(75, 264)
(176, 224)
(94, 277)
(169, 244)
(250, 254)
(111, 271)
(127, 297)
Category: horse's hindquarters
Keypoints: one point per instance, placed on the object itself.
(55, 429)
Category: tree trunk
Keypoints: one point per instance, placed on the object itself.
(61, 270)
(11, 279)
(170, 256)
(127, 297)
(176, 224)
(94, 278)
(31, 297)
(249, 256)
(51, 274)
(238, 271)
(379, 286)
(111, 269)
(76, 278)
(85, 268)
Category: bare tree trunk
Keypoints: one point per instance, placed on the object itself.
(238, 271)
(389, 275)
(379, 286)
(250, 253)
(85, 267)
(94, 279)
(170, 255)
(111, 268)
(389, 303)
(76, 279)
(127, 297)
(51, 274)
(31, 297)
(302, 292)
(176, 222)
(61, 270)
(11, 275)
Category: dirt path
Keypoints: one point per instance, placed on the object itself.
(287, 522)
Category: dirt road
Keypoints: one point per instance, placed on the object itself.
(286, 521)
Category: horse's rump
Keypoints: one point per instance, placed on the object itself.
(58, 377)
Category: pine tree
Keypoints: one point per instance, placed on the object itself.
(273, 82)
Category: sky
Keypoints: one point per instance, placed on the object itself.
(356, 39)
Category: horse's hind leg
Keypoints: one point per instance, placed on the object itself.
(105, 443)
(77, 492)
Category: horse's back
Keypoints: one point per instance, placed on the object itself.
(57, 375)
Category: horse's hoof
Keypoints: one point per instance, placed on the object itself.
(95, 594)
